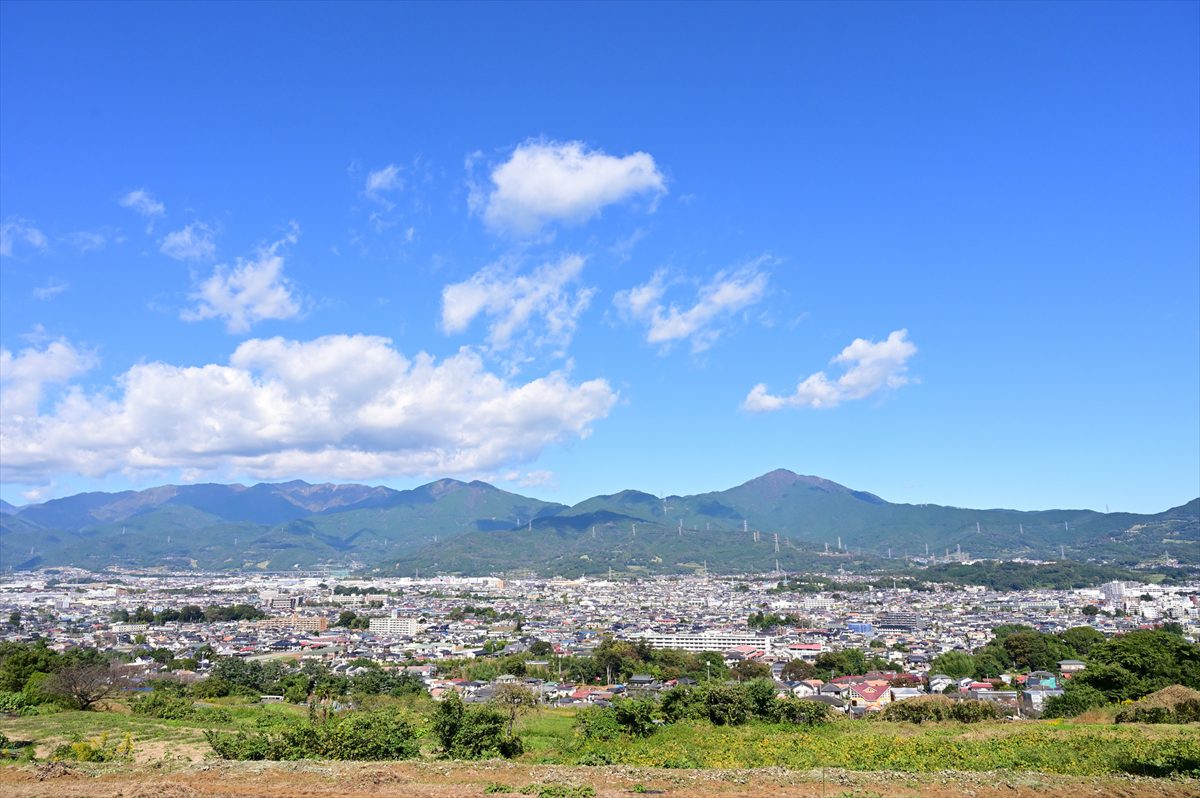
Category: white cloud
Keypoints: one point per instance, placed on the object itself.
(252, 291)
(869, 367)
(194, 242)
(24, 376)
(383, 181)
(52, 288)
(87, 241)
(547, 181)
(341, 407)
(143, 202)
(14, 231)
(541, 303)
(724, 295)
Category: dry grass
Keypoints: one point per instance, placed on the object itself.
(450, 780)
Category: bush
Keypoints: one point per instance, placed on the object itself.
(975, 711)
(1075, 700)
(99, 749)
(918, 710)
(597, 723)
(355, 736)
(472, 733)
(163, 706)
(16, 703)
(803, 713)
(936, 708)
(683, 703)
(726, 704)
(635, 716)
(1176, 704)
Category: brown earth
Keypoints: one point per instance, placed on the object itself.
(451, 780)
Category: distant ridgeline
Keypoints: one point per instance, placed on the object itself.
(779, 521)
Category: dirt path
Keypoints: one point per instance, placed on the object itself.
(451, 780)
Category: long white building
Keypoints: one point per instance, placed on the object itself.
(709, 641)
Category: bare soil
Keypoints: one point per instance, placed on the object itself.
(454, 779)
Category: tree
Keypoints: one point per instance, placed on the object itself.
(1157, 658)
(797, 670)
(763, 698)
(473, 733)
(841, 663)
(1082, 639)
(514, 699)
(726, 704)
(1076, 699)
(635, 716)
(955, 664)
(541, 648)
(1028, 650)
(1091, 610)
(83, 686)
(747, 669)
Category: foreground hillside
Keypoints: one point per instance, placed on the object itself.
(456, 779)
(781, 518)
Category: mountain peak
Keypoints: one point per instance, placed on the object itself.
(782, 478)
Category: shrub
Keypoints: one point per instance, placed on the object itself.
(683, 703)
(17, 703)
(726, 704)
(803, 713)
(635, 716)
(597, 723)
(472, 733)
(163, 706)
(975, 711)
(918, 710)
(355, 736)
(1175, 704)
(936, 708)
(99, 749)
(1075, 700)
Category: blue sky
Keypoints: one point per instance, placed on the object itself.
(946, 253)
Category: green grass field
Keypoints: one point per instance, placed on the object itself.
(1067, 748)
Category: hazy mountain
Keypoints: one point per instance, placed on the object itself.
(474, 527)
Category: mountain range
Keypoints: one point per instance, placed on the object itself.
(780, 519)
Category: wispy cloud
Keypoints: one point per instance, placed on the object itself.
(50, 289)
(727, 293)
(20, 232)
(87, 240)
(870, 367)
(382, 182)
(251, 291)
(545, 181)
(194, 242)
(143, 202)
(531, 310)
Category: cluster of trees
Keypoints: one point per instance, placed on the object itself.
(369, 590)
(1018, 648)
(350, 620)
(189, 613)
(482, 612)
(312, 680)
(31, 674)
(769, 620)
(1126, 668)
(720, 703)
